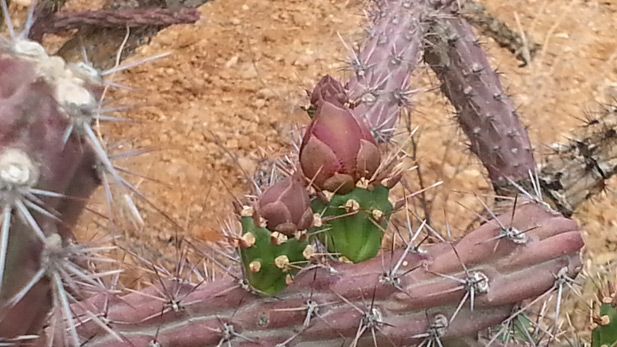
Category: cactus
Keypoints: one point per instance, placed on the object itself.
(382, 67)
(605, 333)
(604, 322)
(340, 158)
(438, 293)
(481, 276)
(274, 243)
(43, 158)
(51, 161)
(354, 222)
(484, 111)
(270, 259)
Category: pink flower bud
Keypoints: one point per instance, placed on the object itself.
(328, 89)
(337, 150)
(286, 207)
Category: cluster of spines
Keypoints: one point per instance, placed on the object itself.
(52, 158)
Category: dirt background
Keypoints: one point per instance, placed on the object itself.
(238, 77)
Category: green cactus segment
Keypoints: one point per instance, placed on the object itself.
(605, 334)
(519, 331)
(355, 222)
(270, 260)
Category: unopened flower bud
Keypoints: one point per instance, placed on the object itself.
(328, 89)
(337, 149)
(285, 207)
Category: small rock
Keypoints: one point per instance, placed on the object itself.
(259, 103)
(232, 61)
(232, 144)
(266, 93)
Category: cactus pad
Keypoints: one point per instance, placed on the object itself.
(271, 259)
(605, 334)
(354, 223)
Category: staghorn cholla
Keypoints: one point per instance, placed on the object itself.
(309, 273)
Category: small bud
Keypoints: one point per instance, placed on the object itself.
(605, 320)
(363, 183)
(289, 279)
(300, 235)
(247, 240)
(255, 266)
(377, 214)
(352, 205)
(277, 238)
(327, 195)
(29, 49)
(391, 181)
(308, 252)
(261, 221)
(328, 89)
(17, 168)
(317, 222)
(345, 260)
(247, 211)
(285, 207)
(282, 262)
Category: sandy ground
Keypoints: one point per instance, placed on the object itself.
(236, 80)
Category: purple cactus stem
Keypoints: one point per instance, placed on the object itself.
(382, 68)
(35, 156)
(485, 113)
(403, 305)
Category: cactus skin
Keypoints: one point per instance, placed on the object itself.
(485, 113)
(515, 272)
(605, 334)
(356, 237)
(34, 123)
(261, 256)
(383, 66)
